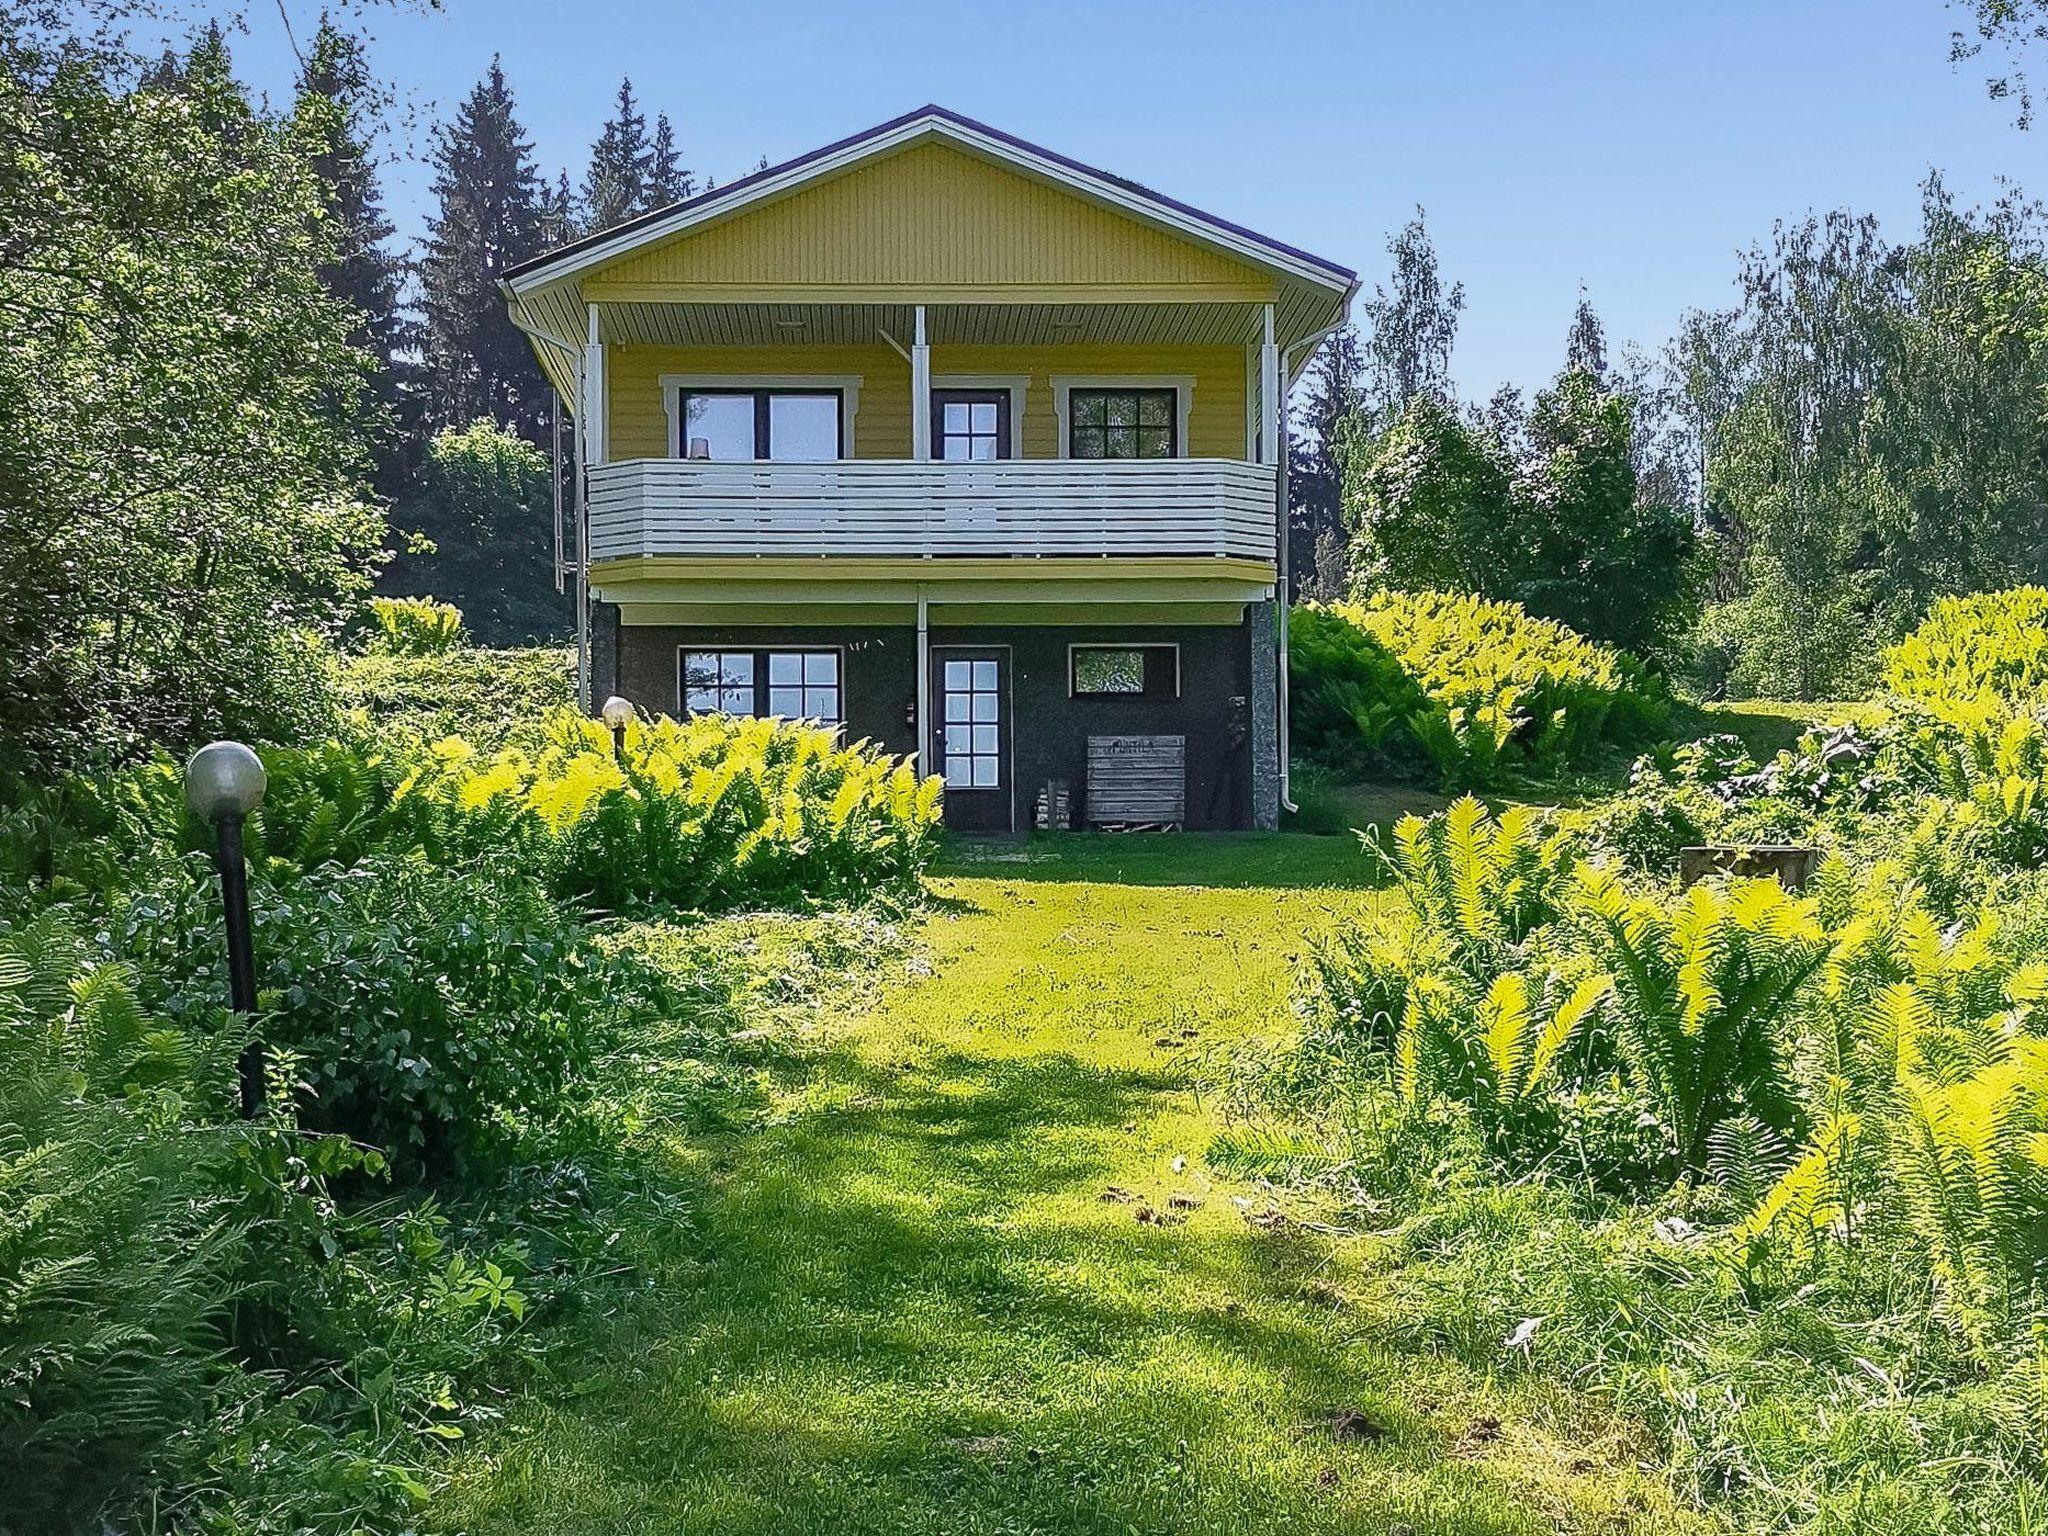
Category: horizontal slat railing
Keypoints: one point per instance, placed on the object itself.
(1069, 507)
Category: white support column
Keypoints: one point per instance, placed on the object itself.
(924, 686)
(596, 438)
(1270, 447)
(580, 479)
(920, 394)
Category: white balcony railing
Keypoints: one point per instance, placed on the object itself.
(883, 507)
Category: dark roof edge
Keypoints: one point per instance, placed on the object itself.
(719, 194)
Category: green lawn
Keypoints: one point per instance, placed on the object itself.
(973, 1274)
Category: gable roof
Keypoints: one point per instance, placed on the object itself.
(926, 123)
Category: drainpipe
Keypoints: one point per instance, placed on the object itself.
(1286, 521)
(574, 358)
(924, 686)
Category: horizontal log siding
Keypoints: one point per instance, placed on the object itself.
(639, 423)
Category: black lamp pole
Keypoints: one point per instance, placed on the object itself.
(223, 783)
(234, 899)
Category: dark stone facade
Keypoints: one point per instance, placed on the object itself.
(1212, 709)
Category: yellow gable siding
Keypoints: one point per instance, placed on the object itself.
(881, 429)
(929, 218)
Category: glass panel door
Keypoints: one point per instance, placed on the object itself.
(971, 736)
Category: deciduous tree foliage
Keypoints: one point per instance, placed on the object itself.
(1551, 517)
(484, 504)
(183, 417)
(1872, 436)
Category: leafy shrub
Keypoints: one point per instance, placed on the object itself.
(197, 1336)
(487, 697)
(705, 814)
(415, 626)
(1989, 648)
(433, 1012)
(1497, 687)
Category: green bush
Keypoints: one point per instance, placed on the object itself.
(415, 626)
(488, 697)
(1970, 653)
(197, 1336)
(1467, 687)
(707, 814)
(435, 1013)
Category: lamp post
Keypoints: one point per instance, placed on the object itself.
(224, 782)
(618, 713)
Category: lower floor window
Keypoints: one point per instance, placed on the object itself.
(1120, 671)
(794, 685)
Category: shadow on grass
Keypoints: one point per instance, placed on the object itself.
(1280, 861)
(913, 1308)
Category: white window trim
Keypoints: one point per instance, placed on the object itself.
(673, 386)
(1018, 385)
(1182, 384)
(1120, 645)
(760, 650)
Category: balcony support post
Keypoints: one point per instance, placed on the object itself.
(920, 392)
(593, 389)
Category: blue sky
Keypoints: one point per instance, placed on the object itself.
(1633, 147)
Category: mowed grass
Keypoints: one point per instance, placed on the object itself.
(974, 1275)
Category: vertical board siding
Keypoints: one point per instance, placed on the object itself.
(930, 214)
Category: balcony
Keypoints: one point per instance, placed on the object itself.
(887, 508)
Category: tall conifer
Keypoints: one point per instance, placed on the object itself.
(335, 104)
(488, 219)
(668, 179)
(620, 162)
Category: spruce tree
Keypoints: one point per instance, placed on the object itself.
(620, 161)
(668, 179)
(336, 99)
(558, 225)
(488, 219)
(1315, 473)
(1585, 344)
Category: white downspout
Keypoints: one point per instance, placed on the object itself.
(924, 685)
(1285, 669)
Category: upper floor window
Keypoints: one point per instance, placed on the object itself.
(762, 424)
(1122, 424)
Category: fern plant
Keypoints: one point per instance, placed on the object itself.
(1969, 1161)
(1702, 990)
(1483, 883)
(1499, 1054)
(118, 1247)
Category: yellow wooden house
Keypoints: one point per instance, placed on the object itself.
(957, 443)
